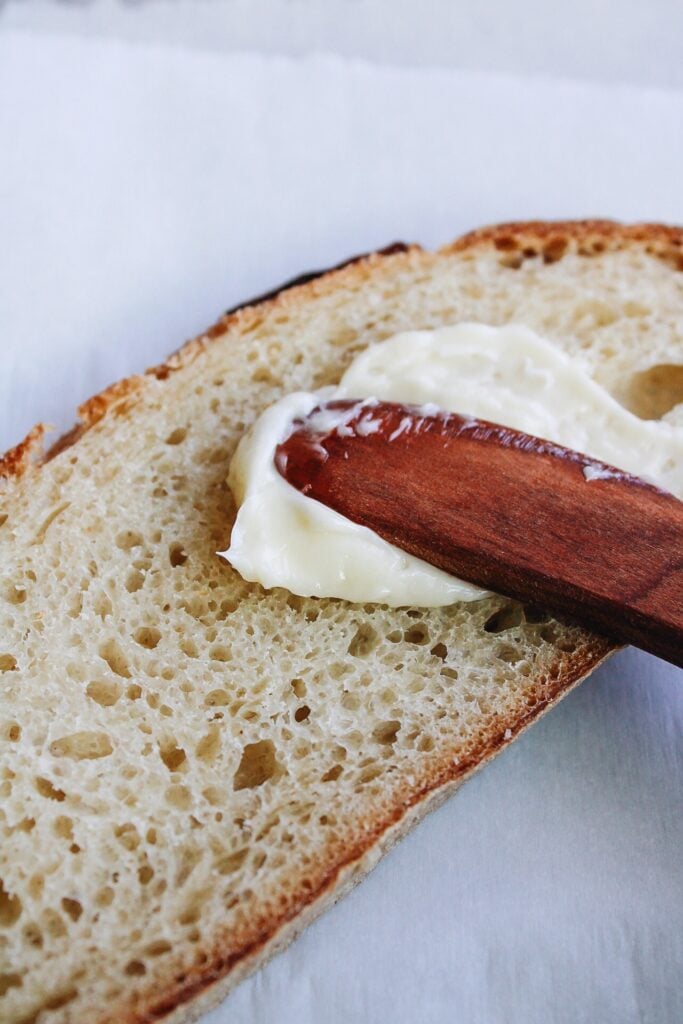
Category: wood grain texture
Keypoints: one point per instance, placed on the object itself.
(510, 512)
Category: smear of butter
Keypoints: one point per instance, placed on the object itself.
(505, 374)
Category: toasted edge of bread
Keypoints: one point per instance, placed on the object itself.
(519, 239)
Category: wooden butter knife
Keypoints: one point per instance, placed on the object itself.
(510, 512)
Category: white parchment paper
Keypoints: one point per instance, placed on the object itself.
(142, 192)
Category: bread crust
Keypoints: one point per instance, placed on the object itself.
(187, 997)
(551, 239)
(521, 239)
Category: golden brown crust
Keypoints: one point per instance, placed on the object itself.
(186, 996)
(16, 460)
(519, 239)
(389, 250)
(120, 394)
(551, 239)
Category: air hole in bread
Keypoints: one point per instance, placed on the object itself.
(350, 701)
(8, 663)
(147, 636)
(103, 693)
(13, 593)
(189, 648)
(386, 732)
(257, 765)
(48, 521)
(177, 436)
(534, 615)
(82, 746)
(263, 375)
(158, 948)
(417, 634)
(298, 687)
(179, 796)
(550, 632)
(33, 935)
(228, 863)
(134, 581)
(507, 617)
(50, 792)
(258, 860)
(36, 885)
(594, 314)
(11, 731)
(226, 608)
(364, 641)
(509, 653)
(126, 540)
(177, 555)
(76, 671)
(104, 897)
(72, 908)
(145, 874)
(339, 669)
(217, 698)
(8, 981)
(190, 856)
(10, 907)
(209, 745)
(102, 606)
(135, 969)
(193, 909)
(63, 827)
(654, 392)
(172, 755)
(111, 652)
(57, 1001)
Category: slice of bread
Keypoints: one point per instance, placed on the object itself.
(193, 768)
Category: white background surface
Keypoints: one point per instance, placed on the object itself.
(635, 41)
(142, 191)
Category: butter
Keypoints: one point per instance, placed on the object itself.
(508, 375)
